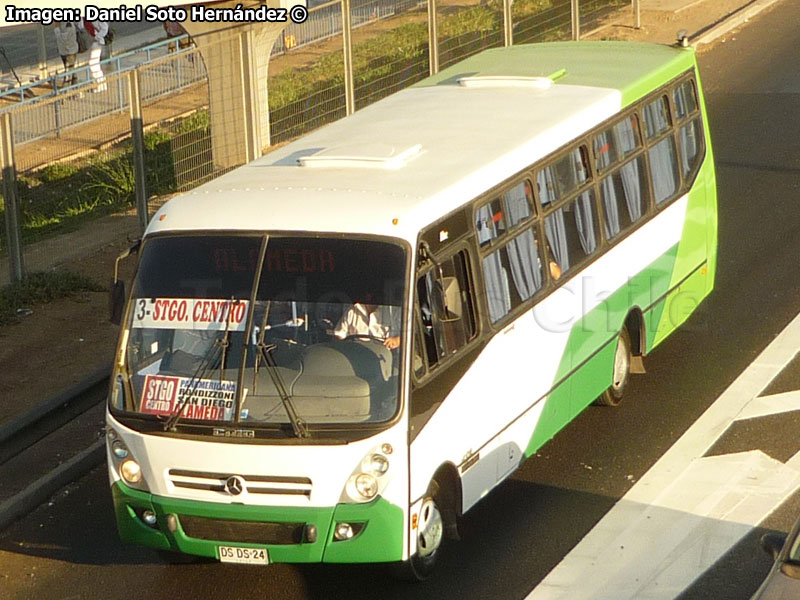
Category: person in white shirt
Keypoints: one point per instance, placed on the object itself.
(97, 31)
(376, 320)
(67, 41)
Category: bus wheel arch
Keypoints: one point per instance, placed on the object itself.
(637, 331)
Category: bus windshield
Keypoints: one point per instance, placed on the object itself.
(319, 345)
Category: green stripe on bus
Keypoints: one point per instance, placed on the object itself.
(597, 330)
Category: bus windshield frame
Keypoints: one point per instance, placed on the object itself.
(254, 335)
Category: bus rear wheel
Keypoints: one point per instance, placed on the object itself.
(621, 371)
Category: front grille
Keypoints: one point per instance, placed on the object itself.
(276, 485)
(243, 532)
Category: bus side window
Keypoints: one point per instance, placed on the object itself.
(690, 127)
(446, 308)
(662, 153)
(623, 189)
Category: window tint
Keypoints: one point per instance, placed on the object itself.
(624, 195)
(656, 117)
(571, 232)
(616, 143)
(446, 308)
(664, 169)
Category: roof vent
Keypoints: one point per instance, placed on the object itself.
(504, 81)
(369, 156)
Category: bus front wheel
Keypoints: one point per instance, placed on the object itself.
(621, 371)
(430, 535)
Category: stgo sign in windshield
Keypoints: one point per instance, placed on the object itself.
(190, 313)
(207, 399)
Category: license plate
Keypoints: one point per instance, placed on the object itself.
(249, 556)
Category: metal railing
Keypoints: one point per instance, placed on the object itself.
(40, 117)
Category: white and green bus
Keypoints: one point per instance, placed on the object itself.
(525, 226)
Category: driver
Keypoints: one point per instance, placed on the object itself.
(376, 320)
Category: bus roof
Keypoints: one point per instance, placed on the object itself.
(401, 163)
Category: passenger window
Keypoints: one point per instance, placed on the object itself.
(656, 117)
(447, 309)
(691, 141)
(624, 194)
(491, 222)
(512, 274)
(685, 99)
(616, 143)
(664, 169)
(571, 232)
(563, 177)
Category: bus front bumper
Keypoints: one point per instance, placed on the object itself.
(289, 534)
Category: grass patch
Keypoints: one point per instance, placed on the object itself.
(40, 288)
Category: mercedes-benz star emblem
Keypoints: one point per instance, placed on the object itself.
(234, 485)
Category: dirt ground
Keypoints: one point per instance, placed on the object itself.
(62, 342)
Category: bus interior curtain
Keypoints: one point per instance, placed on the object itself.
(626, 142)
(526, 268)
(608, 191)
(584, 222)
(497, 292)
(522, 253)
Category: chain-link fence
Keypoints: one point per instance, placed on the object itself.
(70, 173)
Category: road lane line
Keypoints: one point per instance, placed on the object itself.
(686, 511)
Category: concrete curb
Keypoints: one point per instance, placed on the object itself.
(39, 491)
(22, 421)
(733, 21)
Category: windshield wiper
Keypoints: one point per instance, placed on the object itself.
(211, 356)
(298, 425)
(216, 351)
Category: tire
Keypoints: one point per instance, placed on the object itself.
(621, 372)
(430, 536)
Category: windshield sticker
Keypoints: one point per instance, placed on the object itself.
(209, 400)
(189, 313)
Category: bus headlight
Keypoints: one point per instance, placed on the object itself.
(378, 464)
(367, 486)
(119, 450)
(122, 461)
(370, 477)
(130, 471)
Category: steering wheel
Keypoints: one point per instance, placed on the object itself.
(363, 336)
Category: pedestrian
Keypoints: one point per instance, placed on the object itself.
(175, 29)
(97, 31)
(67, 41)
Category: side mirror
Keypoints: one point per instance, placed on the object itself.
(116, 301)
(773, 543)
(116, 295)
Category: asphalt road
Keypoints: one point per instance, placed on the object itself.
(69, 548)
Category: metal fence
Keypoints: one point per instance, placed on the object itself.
(82, 167)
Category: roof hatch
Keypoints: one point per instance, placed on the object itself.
(504, 81)
(369, 156)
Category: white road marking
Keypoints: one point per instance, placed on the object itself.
(686, 511)
(764, 406)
